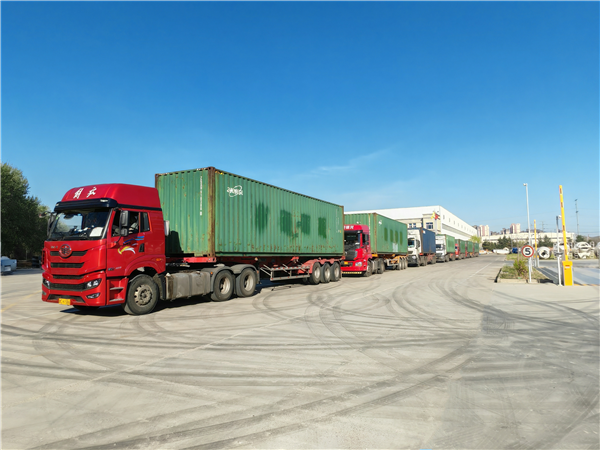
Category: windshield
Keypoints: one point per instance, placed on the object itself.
(351, 240)
(439, 246)
(79, 225)
(411, 243)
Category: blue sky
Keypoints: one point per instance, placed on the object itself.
(368, 105)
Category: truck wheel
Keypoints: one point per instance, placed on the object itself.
(142, 296)
(326, 273)
(222, 287)
(378, 266)
(245, 283)
(336, 272)
(369, 270)
(315, 276)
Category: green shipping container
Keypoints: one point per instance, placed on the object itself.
(470, 246)
(388, 236)
(476, 247)
(461, 246)
(450, 242)
(212, 213)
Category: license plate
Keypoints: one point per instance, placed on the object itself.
(64, 301)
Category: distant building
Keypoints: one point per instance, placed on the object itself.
(524, 237)
(483, 230)
(515, 228)
(436, 218)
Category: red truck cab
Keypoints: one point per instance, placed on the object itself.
(357, 250)
(99, 238)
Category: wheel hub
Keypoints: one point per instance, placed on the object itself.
(143, 295)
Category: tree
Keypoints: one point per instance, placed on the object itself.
(580, 238)
(23, 231)
(545, 242)
(476, 239)
(504, 242)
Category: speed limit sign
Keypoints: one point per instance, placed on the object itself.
(527, 251)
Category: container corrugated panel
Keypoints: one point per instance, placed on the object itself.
(461, 245)
(388, 236)
(450, 243)
(470, 246)
(215, 213)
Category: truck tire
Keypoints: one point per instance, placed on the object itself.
(380, 266)
(315, 276)
(326, 273)
(369, 270)
(245, 283)
(222, 286)
(142, 296)
(336, 272)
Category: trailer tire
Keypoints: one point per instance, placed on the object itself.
(336, 272)
(326, 273)
(222, 286)
(245, 283)
(142, 296)
(315, 276)
(380, 266)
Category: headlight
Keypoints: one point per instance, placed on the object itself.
(93, 284)
(96, 295)
(46, 283)
(358, 264)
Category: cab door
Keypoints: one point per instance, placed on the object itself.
(125, 241)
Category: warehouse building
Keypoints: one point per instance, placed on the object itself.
(436, 218)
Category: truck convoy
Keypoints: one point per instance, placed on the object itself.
(445, 249)
(461, 249)
(199, 232)
(372, 243)
(212, 233)
(421, 246)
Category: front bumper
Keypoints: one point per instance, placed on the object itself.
(73, 291)
(354, 266)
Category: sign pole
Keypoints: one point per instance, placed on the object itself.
(567, 265)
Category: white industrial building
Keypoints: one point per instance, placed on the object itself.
(435, 218)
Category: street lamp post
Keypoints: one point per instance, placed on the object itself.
(528, 226)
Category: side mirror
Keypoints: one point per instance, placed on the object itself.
(124, 219)
(167, 228)
(51, 218)
(124, 223)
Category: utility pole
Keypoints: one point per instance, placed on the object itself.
(577, 215)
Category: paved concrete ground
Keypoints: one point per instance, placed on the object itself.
(585, 272)
(436, 357)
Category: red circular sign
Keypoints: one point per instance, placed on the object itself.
(65, 251)
(527, 251)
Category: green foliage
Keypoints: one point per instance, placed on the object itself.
(488, 245)
(545, 242)
(521, 268)
(504, 242)
(475, 239)
(580, 238)
(23, 231)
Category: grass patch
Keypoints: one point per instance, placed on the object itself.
(510, 273)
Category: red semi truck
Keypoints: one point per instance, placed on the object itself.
(106, 243)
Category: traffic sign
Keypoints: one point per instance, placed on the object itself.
(527, 251)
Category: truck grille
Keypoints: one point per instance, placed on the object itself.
(67, 287)
(68, 277)
(66, 265)
(79, 253)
